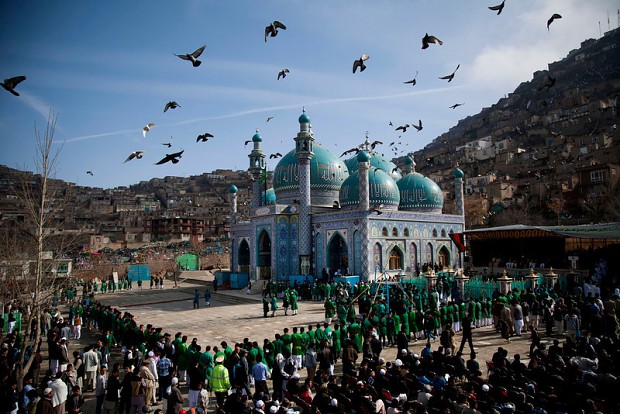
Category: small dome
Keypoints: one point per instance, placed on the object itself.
(257, 137)
(303, 119)
(378, 161)
(269, 196)
(382, 191)
(458, 173)
(363, 156)
(419, 193)
(408, 161)
(233, 189)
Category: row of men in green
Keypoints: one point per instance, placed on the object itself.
(112, 286)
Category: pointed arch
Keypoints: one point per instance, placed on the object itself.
(337, 253)
(430, 257)
(377, 256)
(264, 250)
(443, 257)
(243, 255)
(413, 255)
(395, 258)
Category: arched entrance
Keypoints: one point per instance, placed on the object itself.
(264, 256)
(396, 259)
(443, 257)
(244, 257)
(430, 260)
(337, 254)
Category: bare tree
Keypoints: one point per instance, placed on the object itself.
(36, 242)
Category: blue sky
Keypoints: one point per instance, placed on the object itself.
(106, 69)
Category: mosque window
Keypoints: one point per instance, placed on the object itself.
(406, 232)
(434, 232)
(384, 232)
(394, 232)
(443, 233)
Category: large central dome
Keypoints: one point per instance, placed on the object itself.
(327, 172)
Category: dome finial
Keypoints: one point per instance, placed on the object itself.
(303, 109)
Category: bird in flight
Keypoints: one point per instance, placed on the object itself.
(419, 126)
(403, 128)
(427, 40)
(350, 151)
(456, 105)
(376, 210)
(247, 142)
(498, 8)
(359, 63)
(272, 29)
(89, 173)
(135, 154)
(193, 57)
(276, 155)
(171, 105)
(282, 73)
(413, 81)
(451, 76)
(548, 83)
(146, 129)
(552, 18)
(391, 124)
(11, 83)
(204, 137)
(374, 144)
(269, 118)
(395, 169)
(167, 144)
(171, 157)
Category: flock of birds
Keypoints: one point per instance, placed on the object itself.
(272, 30)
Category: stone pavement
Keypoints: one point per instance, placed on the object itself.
(172, 309)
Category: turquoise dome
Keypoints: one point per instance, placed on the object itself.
(363, 156)
(269, 196)
(327, 172)
(233, 189)
(382, 191)
(419, 193)
(458, 173)
(257, 138)
(303, 119)
(378, 161)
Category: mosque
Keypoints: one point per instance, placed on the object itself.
(361, 216)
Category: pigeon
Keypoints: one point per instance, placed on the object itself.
(272, 29)
(391, 124)
(548, 83)
(413, 81)
(193, 57)
(552, 18)
(395, 169)
(11, 83)
(498, 8)
(269, 118)
(247, 142)
(89, 173)
(359, 63)
(451, 76)
(427, 40)
(282, 73)
(376, 210)
(276, 155)
(350, 151)
(204, 137)
(456, 105)
(171, 105)
(167, 144)
(374, 144)
(419, 126)
(171, 157)
(403, 128)
(146, 129)
(135, 154)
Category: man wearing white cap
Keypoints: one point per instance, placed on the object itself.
(45, 405)
(260, 405)
(175, 399)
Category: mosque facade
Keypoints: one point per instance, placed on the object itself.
(361, 216)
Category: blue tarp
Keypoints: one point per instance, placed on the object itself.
(139, 272)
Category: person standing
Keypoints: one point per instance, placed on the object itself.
(573, 325)
(100, 389)
(517, 316)
(45, 405)
(60, 394)
(76, 401)
(91, 366)
(265, 305)
(175, 399)
(310, 361)
(466, 327)
(113, 391)
(164, 368)
(196, 299)
(260, 373)
(207, 298)
(274, 305)
(145, 374)
(220, 381)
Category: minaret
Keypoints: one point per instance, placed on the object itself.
(257, 167)
(363, 165)
(409, 165)
(304, 151)
(232, 191)
(459, 198)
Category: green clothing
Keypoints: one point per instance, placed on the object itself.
(297, 340)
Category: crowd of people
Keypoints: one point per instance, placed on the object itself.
(377, 351)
